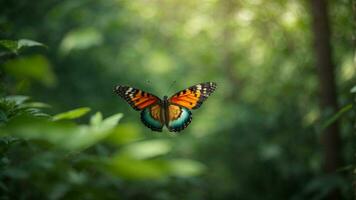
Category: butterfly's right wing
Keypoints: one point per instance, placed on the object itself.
(194, 96)
(148, 103)
(182, 102)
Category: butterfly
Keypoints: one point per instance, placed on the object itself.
(174, 112)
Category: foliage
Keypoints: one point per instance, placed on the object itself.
(16, 46)
(60, 155)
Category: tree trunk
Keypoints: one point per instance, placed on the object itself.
(331, 142)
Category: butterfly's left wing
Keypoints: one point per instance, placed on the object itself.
(148, 103)
(152, 118)
(137, 98)
(194, 96)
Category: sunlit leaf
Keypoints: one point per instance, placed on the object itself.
(185, 167)
(62, 134)
(96, 119)
(80, 39)
(125, 133)
(138, 169)
(127, 167)
(14, 46)
(18, 99)
(28, 43)
(147, 149)
(85, 136)
(12, 106)
(111, 121)
(72, 114)
(35, 112)
(39, 128)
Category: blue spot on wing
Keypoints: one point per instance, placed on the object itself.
(149, 121)
(182, 122)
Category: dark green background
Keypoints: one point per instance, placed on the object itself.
(256, 137)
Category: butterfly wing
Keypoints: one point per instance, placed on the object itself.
(194, 96)
(137, 99)
(182, 102)
(148, 103)
(179, 118)
(152, 118)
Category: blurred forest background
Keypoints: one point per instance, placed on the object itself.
(279, 126)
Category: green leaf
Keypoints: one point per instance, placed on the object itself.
(111, 121)
(79, 39)
(35, 68)
(129, 168)
(28, 43)
(27, 127)
(72, 114)
(18, 99)
(147, 149)
(15, 46)
(125, 133)
(85, 136)
(96, 119)
(186, 167)
(336, 116)
(62, 134)
(10, 45)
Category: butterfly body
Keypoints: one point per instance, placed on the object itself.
(174, 112)
(165, 114)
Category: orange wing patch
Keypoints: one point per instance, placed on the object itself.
(187, 98)
(137, 99)
(193, 97)
(174, 112)
(156, 112)
(143, 102)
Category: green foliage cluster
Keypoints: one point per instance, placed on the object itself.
(257, 137)
(52, 157)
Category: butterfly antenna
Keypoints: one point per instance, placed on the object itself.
(170, 87)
